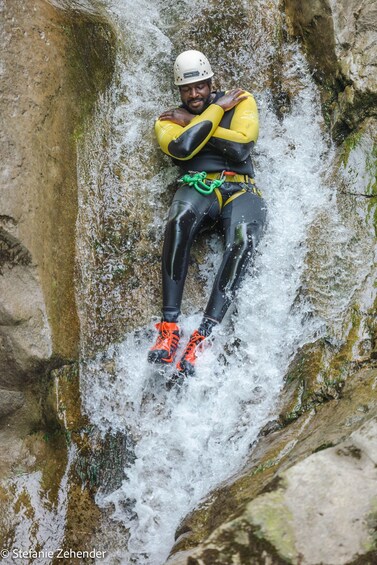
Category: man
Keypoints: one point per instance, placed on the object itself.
(209, 137)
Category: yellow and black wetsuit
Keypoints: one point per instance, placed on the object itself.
(213, 142)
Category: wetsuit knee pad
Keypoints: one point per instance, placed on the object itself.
(238, 251)
(184, 222)
(248, 209)
(182, 212)
(188, 212)
(179, 233)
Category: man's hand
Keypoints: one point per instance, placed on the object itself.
(179, 116)
(231, 99)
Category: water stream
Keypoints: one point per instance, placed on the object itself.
(191, 438)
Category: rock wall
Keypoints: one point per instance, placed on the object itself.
(339, 39)
(57, 56)
(52, 72)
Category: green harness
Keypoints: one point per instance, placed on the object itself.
(196, 180)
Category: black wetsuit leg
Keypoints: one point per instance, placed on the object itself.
(243, 221)
(188, 212)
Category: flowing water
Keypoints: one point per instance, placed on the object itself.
(191, 438)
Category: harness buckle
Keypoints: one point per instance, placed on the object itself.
(227, 174)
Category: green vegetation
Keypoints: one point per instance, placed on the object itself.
(349, 144)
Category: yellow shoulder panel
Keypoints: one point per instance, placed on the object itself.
(244, 126)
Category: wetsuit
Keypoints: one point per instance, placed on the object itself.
(213, 142)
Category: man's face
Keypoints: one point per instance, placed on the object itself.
(196, 97)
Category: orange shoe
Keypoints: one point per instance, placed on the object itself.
(188, 359)
(166, 344)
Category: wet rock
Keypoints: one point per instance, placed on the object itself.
(313, 23)
(57, 57)
(10, 401)
(99, 462)
(25, 337)
(55, 63)
(339, 38)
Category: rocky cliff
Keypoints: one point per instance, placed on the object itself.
(56, 58)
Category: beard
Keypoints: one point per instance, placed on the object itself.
(204, 103)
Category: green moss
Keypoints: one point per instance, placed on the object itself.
(371, 166)
(318, 372)
(323, 446)
(372, 325)
(264, 466)
(302, 389)
(368, 559)
(274, 521)
(341, 363)
(349, 144)
(53, 466)
(92, 60)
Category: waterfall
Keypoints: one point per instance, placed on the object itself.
(189, 439)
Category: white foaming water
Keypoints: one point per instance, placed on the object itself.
(190, 439)
(342, 272)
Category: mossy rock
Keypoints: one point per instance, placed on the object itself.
(310, 380)
(319, 429)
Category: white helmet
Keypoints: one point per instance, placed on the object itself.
(191, 66)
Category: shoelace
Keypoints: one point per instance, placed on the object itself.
(195, 340)
(165, 334)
